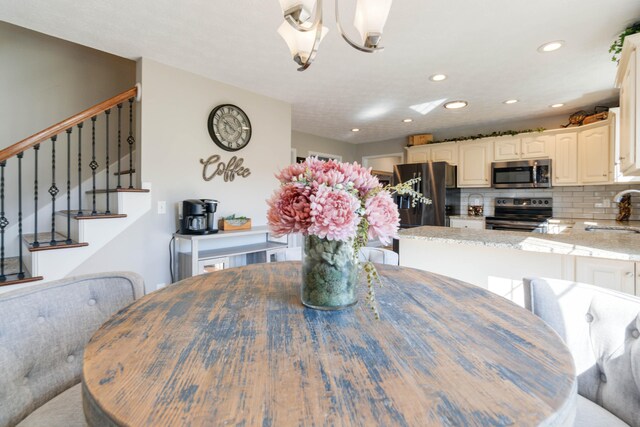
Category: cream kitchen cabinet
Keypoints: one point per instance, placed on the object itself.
(627, 81)
(474, 167)
(506, 149)
(530, 147)
(612, 274)
(565, 162)
(442, 152)
(445, 152)
(536, 146)
(593, 155)
(418, 154)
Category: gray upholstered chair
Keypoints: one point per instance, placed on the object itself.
(43, 331)
(602, 330)
(378, 256)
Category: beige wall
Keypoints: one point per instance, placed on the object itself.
(173, 138)
(44, 80)
(304, 143)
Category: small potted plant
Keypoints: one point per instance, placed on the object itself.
(233, 222)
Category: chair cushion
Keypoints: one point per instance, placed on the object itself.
(589, 414)
(64, 410)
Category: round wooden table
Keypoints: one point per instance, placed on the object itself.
(237, 347)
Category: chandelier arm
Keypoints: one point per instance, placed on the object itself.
(316, 19)
(316, 42)
(348, 40)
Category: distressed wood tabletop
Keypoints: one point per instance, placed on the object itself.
(237, 347)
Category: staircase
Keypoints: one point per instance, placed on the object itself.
(61, 197)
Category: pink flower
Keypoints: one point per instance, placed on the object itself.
(361, 177)
(289, 210)
(287, 174)
(384, 219)
(333, 214)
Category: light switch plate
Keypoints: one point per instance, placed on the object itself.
(162, 207)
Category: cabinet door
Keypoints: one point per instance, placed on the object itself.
(445, 153)
(507, 149)
(593, 154)
(565, 162)
(418, 155)
(536, 147)
(628, 109)
(611, 274)
(474, 169)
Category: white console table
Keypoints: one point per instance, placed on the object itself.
(192, 252)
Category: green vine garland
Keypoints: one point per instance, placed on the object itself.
(616, 47)
(490, 135)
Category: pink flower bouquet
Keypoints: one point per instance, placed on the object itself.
(338, 207)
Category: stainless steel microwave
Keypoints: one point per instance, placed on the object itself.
(535, 173)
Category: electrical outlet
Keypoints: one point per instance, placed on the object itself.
(162, 207)
(606, 203)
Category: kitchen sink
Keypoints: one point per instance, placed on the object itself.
(613, 229)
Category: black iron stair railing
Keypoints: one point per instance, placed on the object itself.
(12, 267)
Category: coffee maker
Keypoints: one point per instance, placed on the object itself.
(198, 216)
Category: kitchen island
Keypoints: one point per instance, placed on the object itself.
(498, 260)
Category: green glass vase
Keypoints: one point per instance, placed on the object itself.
(329, 274)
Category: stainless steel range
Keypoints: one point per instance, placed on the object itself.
(521, 214)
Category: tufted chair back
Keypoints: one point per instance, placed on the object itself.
(378, 256)
(43, 332)
(602, 330)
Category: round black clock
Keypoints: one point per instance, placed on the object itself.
(229, 127)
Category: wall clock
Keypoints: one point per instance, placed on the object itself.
(229, 127)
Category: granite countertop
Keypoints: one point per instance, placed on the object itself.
(570, 238)
(475, 218)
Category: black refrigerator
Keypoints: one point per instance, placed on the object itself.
(438, 183)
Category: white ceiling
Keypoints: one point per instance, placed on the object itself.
(487, 48)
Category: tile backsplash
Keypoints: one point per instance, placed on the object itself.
(582, 202)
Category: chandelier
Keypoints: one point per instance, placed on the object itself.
(303, 31)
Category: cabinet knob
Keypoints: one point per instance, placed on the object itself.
(628, 274)
(604, 174)
(622, 158)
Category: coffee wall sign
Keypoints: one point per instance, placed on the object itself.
(213, 167)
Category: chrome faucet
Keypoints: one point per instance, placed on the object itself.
(618, 196)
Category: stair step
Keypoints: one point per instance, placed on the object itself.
(86, 214)
(44, 242)
(11, 268)
(120, 190)
(124, 172)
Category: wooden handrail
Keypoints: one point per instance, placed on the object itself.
(47, 133)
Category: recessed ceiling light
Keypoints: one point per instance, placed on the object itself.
(438, 77)
(557, 105)
(510, 101)
(551, 46)
(454, 105)
(407, 120)
(355, 130)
